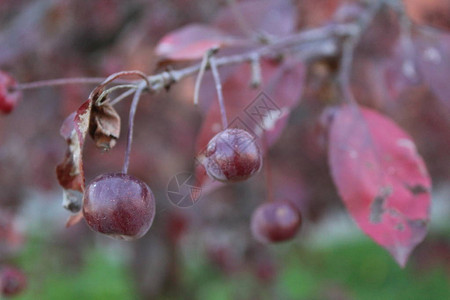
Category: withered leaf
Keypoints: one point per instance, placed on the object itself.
(70, 172)
(104, 126)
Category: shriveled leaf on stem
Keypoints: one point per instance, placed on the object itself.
(104, 127)
(70, 172)
(381, 178)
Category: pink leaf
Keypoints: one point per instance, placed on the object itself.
(192, 41)
(381, 178)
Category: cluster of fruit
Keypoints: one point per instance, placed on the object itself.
(122, 206)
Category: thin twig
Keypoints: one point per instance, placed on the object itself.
(114, 88)
(201, 72)
(114, 76)
(256, 71)
(348, 49)
(345, 71)
(100, 88)
(121, 97)
(409, 67)
(267, 169)
(215, 72)
(133, 108)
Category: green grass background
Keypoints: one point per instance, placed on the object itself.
(359, 270)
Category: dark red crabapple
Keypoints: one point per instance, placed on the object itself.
(8, 96)
(119, 205)
(232, 155)
(275, 222)
(12, 281)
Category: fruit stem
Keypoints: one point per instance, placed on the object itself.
(121, 97)
(215, 72)
(255, 65)
(105, 93)
(114, 76)
(134, 104)
(267, 168)
(348, 49)
(201, 73)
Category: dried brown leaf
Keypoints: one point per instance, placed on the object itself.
(104, 126)
(70, 172)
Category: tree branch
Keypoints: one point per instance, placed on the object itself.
(325, 41)
(348, 49)
(308, 45)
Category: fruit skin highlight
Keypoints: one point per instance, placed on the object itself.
(275, 222)
(232, 155)
(119, 205)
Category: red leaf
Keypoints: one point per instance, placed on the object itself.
(70, 172)
(381, 178)
(8, 96)
(251, 109)
(192, 41)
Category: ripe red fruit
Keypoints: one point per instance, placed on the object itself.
(232, 155)
(12, 281)
(275, 222)
(119, 205)
(8, 95)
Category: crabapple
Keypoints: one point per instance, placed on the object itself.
(275, 222)
(232, 155)
(8, 95)
(119, 205)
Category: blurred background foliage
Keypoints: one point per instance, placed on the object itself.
(205, 252)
